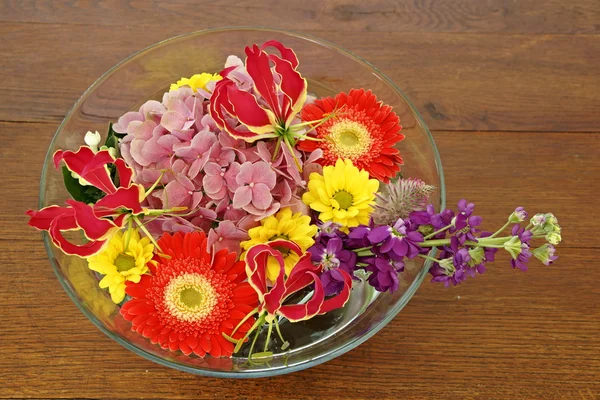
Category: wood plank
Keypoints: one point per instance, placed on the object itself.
(505, 16)
(497, 170)
(459, 81)
(507, 334)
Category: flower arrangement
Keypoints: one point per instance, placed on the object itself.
(240, 200)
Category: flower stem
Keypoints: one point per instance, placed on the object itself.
(429, 258)
(268, 335)
(260, 321)
(437, 232)
(251, 313)
(434, 243)
(242, 340)
(143, 228)
(285, 342)
(162, 173)
(499, 230)
(128, 234)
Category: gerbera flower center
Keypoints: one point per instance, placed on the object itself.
(190, 297)
(350, 139)
(124, 262)
(344, 199)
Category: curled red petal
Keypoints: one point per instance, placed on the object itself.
(42, 219)
(248, 112)
(90, 166)
(124, 198)
(94, 228)
(299, 312)
(341, 299)
(299, 279)
(124, 171)
(67, 247)
(293, 86)
(257, 65)
(286, 53)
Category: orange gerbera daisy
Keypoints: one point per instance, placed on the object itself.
(365, 131)
(189, 301)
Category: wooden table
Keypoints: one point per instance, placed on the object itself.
(511, 91)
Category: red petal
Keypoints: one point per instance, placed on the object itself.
(205, 344)
(246, 109)
(192, 341)
(90, 166)
(286, 52)
(216, 347)
(257, 65)
(292, 85)
(128, 198)
(43, 218)
(94, 228)
(340, 300)
(125, 172)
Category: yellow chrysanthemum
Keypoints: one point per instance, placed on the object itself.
(283, 225)
(342, 194)
(197, 81)
(124, 258)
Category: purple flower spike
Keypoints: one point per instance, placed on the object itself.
(383, 276)
(465, 224)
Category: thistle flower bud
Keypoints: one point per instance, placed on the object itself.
(398, 199)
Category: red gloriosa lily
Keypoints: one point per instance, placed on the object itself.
(304, 274)
(267, 110)
(99, 221)
(271, 299)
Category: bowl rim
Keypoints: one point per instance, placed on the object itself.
(351, 344)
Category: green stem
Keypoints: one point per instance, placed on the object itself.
(128, 234)
(285, 342)
(251, 313)
(242, 340)
(143, 228)
(437, 232)
(429, 258)
(162, 173)
(268, 335)
(499, 230)
(262, 320)
(435, 243)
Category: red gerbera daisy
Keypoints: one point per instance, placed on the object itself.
(189, 300)
(365, 132)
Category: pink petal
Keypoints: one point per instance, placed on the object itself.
(263, 173)
(261, 196)
(212, 184)
(213, 169)
(172, 120)
(242, 196)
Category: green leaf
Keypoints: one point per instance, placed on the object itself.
(112, 137)
(85, 194)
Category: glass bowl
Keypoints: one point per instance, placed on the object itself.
(147, 75)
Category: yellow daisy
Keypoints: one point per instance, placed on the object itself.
(342, 194)
(197, 81)
(124, 258)
(283, 225)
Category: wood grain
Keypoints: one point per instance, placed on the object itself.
(511, 89)
(480, 16)
(459, 81)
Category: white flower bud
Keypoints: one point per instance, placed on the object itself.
(92, 139)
